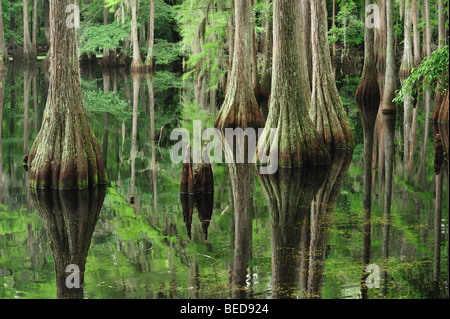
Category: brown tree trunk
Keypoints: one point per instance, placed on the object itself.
(151, 36)
(266, 76)
(388, 133)
(305, 36)
(136, 64)
(29, 53)
(35, 26)
(368, 101)
(405, 70)
(2, 95)
(327, 111)
(109, 58)
(240, 108)
(65, 153)
(297, 141)
(427, 93)
(4, 58)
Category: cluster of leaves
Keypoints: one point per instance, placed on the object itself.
(211, 59)
(95, 100)
(165, 52)
(97, 37)
(431, 74)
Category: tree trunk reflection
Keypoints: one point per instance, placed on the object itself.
(69, 218)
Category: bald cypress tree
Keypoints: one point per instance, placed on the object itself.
(297, 140)
(65, 153)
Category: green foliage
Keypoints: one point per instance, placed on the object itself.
(349, 27)
(211, 57)
(165, 52)
(432, 74)
(95, 100)
(97, 37)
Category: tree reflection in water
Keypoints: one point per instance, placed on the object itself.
(300, 230)
(69, 218)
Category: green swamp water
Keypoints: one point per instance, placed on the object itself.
(295, 247)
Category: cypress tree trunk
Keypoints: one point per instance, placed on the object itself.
(297, 140)
(305, 36)
(4, 58)
(109, 57)
(405, 70)
(65, 153)
(266, 76)
(136, 64)
(327, 111)
(368, 101)
(388, 133)
(240, 108)
(427, 93)
(29, 52)
(151, 37)
(2, 95)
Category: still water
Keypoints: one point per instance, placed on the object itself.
(303, 235)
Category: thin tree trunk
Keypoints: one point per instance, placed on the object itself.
(388, 133)
(368, 101)
(266, 76)
(416, 34)
(442, 34)
(151, 36)
(405, 70)
(427, 96)
(2, 96)
(4, 58)
(136, 64)
(35, 25)
(29, 53)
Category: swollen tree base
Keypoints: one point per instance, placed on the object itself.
(66, 153)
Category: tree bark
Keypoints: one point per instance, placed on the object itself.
(305, 36)
(427, 93)
(405, 70)
(109, 58)
(151, 36)
(2, 95)
(4, 58)
(136, 64)
(297, 141)
(368, 101)
(65, 153)
(240, 108)
(29, 53)
(266, 76)
(327, 111)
